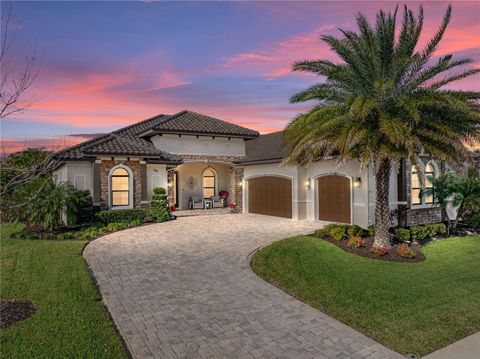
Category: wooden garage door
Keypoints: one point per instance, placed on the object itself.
(271, 196)
(334, 199)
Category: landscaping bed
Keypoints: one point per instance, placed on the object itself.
(13, 311)
(411, 308)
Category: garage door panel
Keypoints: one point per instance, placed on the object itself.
(271, 196)
(334, 199)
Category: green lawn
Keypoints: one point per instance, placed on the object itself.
(71, 321)
(411, 308)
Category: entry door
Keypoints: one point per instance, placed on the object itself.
(334, 199)
(270, 195)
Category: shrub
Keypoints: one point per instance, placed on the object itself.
(113, 227)
(355, 231)
(355, 242)
(322, 233)
(403, 234)
(440, 228)
(122, 215)
(371, 230)
(419, 233)
(403, 250)
(79, 207)
(159, 205)
(379, 251)
(134, 223)
(338, 233)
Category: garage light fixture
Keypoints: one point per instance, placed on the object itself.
(357, 181)
(308, 183)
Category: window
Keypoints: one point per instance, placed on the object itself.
(429, 173)
(120, 187)
(208, 183)
(416, 186)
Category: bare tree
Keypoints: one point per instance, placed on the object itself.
(14, 83)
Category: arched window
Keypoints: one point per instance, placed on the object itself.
(120, 187)
(429, 173)
(209, 183)
(416, 186)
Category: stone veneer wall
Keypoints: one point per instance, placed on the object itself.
(423, 216)
(238, 189)
(135, 166)
(170, 189)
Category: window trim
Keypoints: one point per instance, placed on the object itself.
(215, 175)
(130, 187)
(417, 173)
(423, 203)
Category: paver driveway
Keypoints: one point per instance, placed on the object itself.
(183, 289)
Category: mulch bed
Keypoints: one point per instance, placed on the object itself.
(390, 256)
(13, 311)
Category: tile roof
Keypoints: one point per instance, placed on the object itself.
(265, 149)
(124, 141)
(186, 122)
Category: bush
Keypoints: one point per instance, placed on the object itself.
(113, 227)
(403, 234)
(79, 207)
(122, 215)
(355, 231)
(419, 233)
(379, 251)
(322, 233)
(355, 242)
(338, 233)
(159, 205)
(403, 250)
(371, 230)
(134, 223)
(440, 228)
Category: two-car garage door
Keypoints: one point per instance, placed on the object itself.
(270, 195)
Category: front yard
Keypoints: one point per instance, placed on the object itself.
(70, 321)
(409, 307)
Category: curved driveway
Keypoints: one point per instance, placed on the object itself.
(183, 289)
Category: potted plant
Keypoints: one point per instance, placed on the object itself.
(233, 208)
(224, 195)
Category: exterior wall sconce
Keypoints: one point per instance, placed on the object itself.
(240, 183)
(357, 181)
(169, 184)
(308, 183)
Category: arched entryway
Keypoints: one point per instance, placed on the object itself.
(334, 199)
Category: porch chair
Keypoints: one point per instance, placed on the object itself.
(197, 203)
(217, 201)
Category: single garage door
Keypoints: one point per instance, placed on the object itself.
(334, 199)
(271, 196)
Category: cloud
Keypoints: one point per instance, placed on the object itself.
(15, 144)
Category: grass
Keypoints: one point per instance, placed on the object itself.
(71, 321)
(411, 308)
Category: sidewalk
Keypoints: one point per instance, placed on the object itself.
(467, 348)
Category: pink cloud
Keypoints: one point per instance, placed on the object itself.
(13, 144)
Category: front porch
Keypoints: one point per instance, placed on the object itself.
(201, 186)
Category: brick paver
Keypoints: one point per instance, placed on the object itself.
(183, 289)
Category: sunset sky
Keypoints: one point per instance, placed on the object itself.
(104, 65)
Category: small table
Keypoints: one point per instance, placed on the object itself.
(207, 204)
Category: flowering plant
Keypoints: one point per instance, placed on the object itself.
(223, 194)
(379, 251)
(172, 208)
(355, 242)
(232, 205)
(404, 250)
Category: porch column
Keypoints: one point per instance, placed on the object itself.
(97, 184)
(238, 193)
(170, 188)
(143, 184)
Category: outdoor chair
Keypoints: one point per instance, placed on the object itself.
(197, 203)
(217, 201)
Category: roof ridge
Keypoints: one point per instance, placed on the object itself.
(139, 123)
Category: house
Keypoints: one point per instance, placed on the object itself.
(196, 156)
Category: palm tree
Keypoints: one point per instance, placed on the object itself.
(383, 102)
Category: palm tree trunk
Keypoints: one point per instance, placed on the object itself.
(382, 209)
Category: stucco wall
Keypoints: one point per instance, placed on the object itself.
(351, 170)
(187, 189)
(78, 174)
(202, 145)
(156, 177)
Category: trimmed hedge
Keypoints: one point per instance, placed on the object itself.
(122, 216)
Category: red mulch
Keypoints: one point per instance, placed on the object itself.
(13, 311)
(390, 256)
